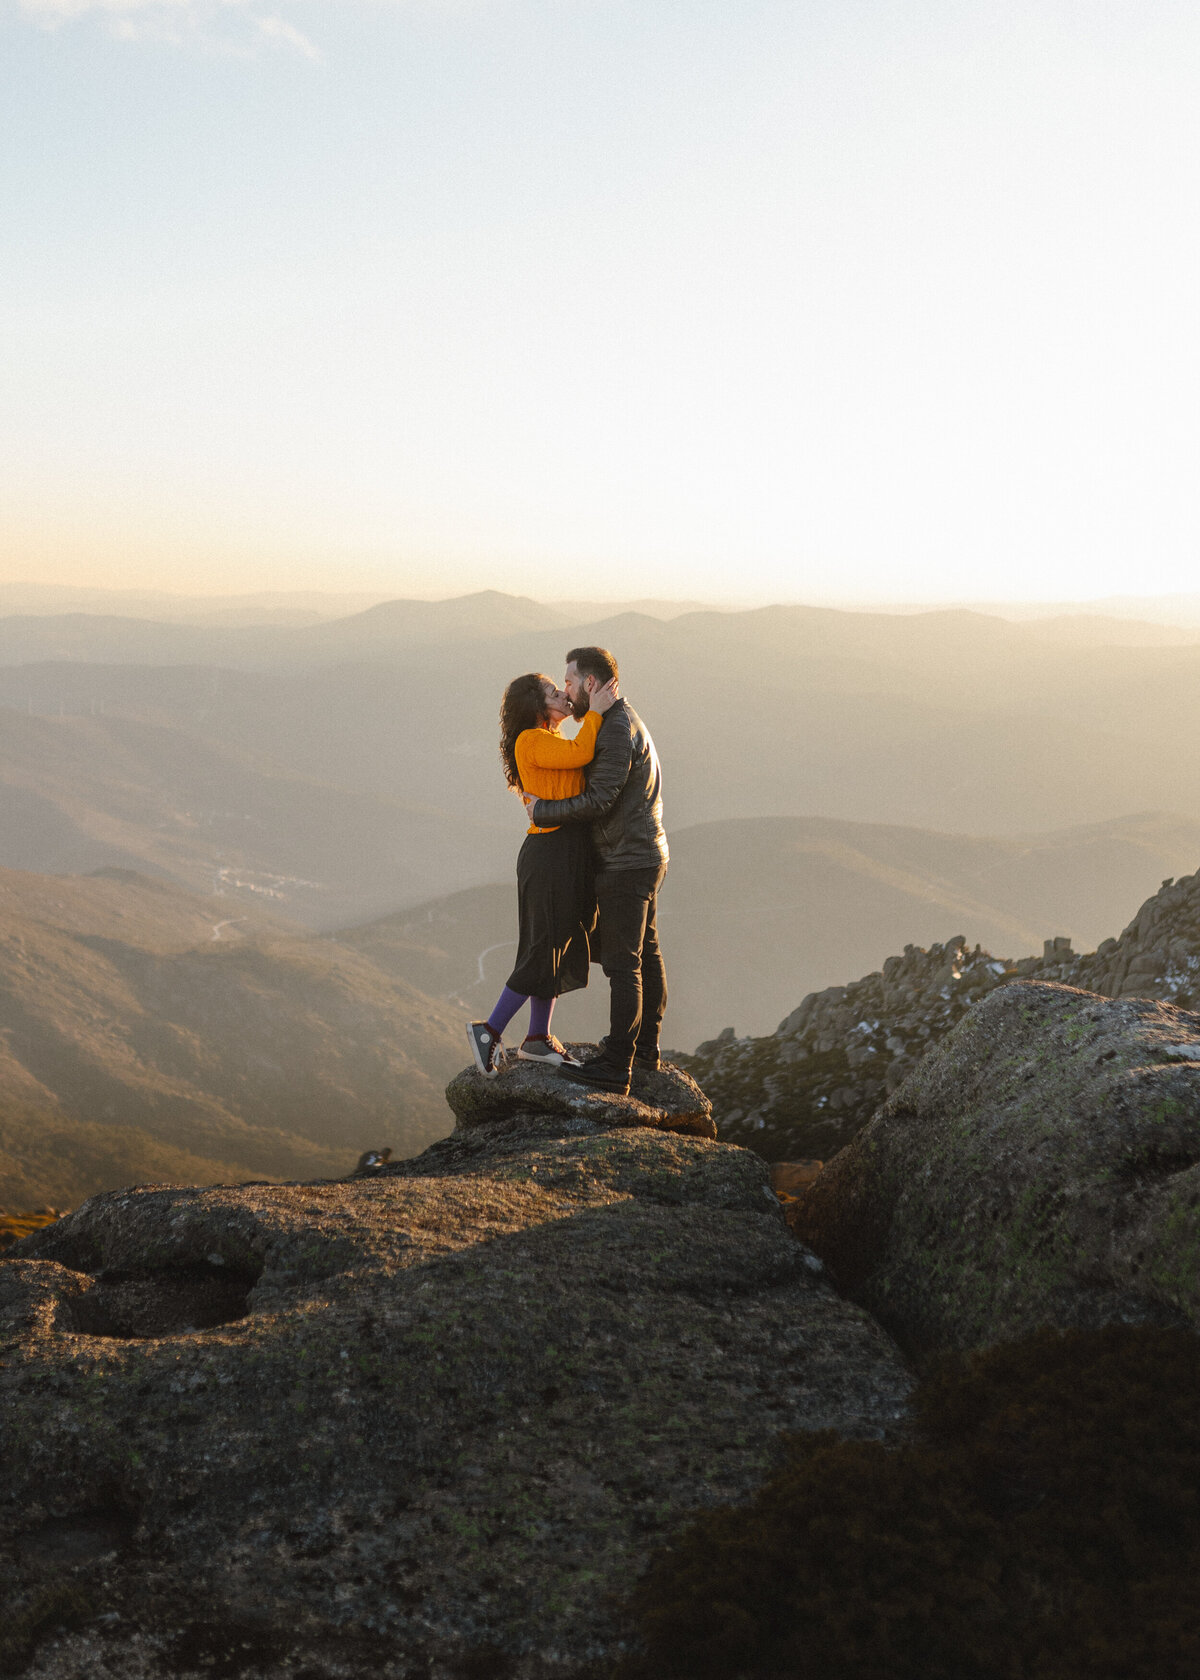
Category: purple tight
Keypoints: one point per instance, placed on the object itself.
(540, 1011)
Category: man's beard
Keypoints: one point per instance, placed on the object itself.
(580, 707)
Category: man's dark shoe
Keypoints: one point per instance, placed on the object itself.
(600, 1074)
(648, 1060)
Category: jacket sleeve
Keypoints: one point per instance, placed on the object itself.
(609, 773)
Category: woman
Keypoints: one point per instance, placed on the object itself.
(555, 905)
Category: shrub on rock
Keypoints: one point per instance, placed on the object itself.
(1042, 1522)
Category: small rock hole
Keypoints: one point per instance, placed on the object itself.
(1155, 1163)
(80, 1537)
(161, 1301)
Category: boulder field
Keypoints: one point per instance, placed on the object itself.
(430, 1421)
(1040, 1167)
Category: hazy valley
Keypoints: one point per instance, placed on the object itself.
(129, 741)
(950, 721)
(147, 1033)
(759, 911)
(326, 794)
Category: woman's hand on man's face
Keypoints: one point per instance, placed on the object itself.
(602, 698)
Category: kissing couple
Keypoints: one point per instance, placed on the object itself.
(588, 872)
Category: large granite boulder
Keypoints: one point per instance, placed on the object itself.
(668, 1099)
(1040, 1167)
(429, 1421)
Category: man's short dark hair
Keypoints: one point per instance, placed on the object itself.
(594, 662)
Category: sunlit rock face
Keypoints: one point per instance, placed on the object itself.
(666, 1100)
(429, 1420)
(1040, 1167)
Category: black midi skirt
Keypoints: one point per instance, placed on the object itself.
(556, 911)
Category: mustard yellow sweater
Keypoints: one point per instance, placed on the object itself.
(550, 766)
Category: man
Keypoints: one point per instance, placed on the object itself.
(623, 802)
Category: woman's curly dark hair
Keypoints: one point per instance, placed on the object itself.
(523, 707)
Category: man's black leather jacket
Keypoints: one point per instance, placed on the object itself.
(623, 797)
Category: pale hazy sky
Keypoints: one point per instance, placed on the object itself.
(729, 298)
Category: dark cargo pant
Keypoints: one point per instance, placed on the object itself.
(627, 900)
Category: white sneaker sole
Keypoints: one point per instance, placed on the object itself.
(552, 1060)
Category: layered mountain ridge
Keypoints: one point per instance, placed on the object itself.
(759, 911)
(950, 721)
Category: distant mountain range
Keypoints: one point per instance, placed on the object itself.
(350, 766)
(359, 754)
(1178, 611)
(79, 793)
(264, 607)
(149, 1033)
(248, 638)
(290, 606)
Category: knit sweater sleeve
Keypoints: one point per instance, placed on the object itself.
(545, 749)
(606, 779)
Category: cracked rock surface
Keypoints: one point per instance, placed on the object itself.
(1040, 1167)
(448, 1410)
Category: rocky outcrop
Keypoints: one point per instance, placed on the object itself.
(808, 1088)
(811, 1086)
(1040, 1167)
(667, 1100)
(429, 1420)
(1158, 954)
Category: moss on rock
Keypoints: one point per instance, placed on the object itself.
(1039, 1167)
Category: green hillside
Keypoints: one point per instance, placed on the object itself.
(147, 1032)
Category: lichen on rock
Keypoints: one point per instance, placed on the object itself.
(1039, 1167)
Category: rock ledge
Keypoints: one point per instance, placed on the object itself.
(669, 1100)
(438, 1420)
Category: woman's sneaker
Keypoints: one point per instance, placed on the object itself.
(486, 1048)
(549, 1050)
